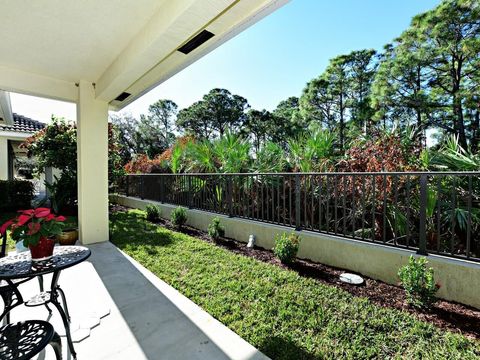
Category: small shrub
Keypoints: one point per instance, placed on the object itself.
(16, 194)
(179, 217)
(286, 247)
(215, 229)
(419, 282)
(153, 213)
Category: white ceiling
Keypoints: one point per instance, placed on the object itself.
(121, 45)
(69, 39)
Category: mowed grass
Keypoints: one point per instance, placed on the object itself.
(283, 314)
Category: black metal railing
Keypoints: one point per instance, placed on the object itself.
(429, 212)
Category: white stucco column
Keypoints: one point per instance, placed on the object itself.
(92, 147)
(3, 158)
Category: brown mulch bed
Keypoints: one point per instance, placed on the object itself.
(444, 314)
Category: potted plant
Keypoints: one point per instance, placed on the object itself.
(68, 236)
(37, 228)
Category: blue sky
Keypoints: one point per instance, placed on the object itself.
(274, 58)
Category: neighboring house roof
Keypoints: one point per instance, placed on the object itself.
(22, 124)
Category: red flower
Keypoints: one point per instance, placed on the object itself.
(33, 228)
(26, 212)
(61, 218)
(42, 212)
(5, 226)
(23, 219)
(50, 217)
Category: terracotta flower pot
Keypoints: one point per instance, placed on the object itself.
(68, 237)
(43, 250)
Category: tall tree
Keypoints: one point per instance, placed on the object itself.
(126, 128)
(195, 120)
(450, 35)
(226, 110)
(257, 126)
(219, 111)
(361, 68)
(162, 113)
(288, 121)
(400, 91)
(338, 81)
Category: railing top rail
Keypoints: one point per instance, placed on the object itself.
(380, 173)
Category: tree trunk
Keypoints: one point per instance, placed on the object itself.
(475, 135)
(459, 121)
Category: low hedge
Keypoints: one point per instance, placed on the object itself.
(16, 194)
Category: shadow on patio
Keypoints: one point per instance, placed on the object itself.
(148, 319)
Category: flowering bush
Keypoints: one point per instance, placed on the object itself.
(141, 164)
(30, 225)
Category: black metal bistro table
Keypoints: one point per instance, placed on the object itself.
(21, 266)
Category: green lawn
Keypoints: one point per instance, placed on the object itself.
(283, 314)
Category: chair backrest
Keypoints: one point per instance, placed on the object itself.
(3, 251)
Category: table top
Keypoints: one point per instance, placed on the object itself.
(21, 265)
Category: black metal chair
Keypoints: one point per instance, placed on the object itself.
(10, 300)
(24, 340)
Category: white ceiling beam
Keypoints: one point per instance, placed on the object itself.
(6, 107)
(244, 14)
(172, 26)
(23, 82)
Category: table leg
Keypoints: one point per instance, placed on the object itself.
(65, 318)
(11, 298)
(64, 302)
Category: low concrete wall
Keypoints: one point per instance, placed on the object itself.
(459, 279)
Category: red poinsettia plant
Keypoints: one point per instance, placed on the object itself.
(33, 224)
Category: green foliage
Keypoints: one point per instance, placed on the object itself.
(218, 112)
(228, 154)
(419, 282)
(215, 229)
(56, 146)
(270, 158)
(178, 217)
(63, 192)
(283, 314)
(15, 194)
(313, 151)
(153, 212)
(286, 247)
(58, 137)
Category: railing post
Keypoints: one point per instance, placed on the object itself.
(162, 185)
(422, 245)
(189, 191)
(298, 225)
(142, 187)
(230, 196)
(127, 185)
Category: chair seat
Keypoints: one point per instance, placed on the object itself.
(24, 340)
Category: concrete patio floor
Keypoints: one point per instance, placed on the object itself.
(120, 311)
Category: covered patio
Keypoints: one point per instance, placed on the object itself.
(102, 56)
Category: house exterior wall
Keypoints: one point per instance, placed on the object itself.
(459, 279)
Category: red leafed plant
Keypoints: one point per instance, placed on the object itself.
(33, 224)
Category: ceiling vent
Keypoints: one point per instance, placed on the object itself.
(122, 96)
(196, 41)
